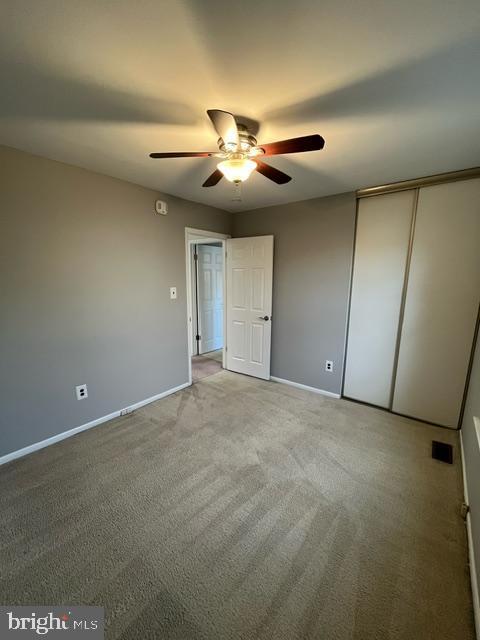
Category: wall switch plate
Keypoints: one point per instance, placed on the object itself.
(329, 365)
(161, 207)
(173, 293)
(81, 391)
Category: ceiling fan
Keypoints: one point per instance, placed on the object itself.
(240, 153)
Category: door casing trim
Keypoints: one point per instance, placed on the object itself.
(202, 236)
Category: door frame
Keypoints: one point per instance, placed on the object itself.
(202, 236)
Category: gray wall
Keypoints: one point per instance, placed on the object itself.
(85, 273)
(471, 453)
(311, 280)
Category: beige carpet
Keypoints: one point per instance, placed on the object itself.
(206, 365)
(244, 509)
(215, 355)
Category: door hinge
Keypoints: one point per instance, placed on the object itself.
(195, 256)
(197, 337)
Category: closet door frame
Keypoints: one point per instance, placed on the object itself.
(408, 185)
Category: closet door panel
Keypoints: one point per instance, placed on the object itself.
(381, 248)
(441, 303)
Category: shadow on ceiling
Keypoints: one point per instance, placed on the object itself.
(451, 76)
(29, 91)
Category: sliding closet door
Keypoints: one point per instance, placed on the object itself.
(381, 248)
(441, 304)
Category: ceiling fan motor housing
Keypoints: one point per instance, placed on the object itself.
(247, 142)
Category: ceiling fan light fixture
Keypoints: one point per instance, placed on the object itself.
(239, 151)
(237, 169)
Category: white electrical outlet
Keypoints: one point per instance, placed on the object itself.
(81, 391)
(329, 365)
(126, 411)
(173, 293)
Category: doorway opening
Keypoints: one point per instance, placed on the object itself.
(208, 300)
(205, 255)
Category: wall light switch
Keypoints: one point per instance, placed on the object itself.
(173, 293)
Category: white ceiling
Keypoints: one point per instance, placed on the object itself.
(392, 86)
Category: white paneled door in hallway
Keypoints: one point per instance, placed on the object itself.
(249, 305)
(210, 297)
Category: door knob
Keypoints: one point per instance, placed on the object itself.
(263, 318)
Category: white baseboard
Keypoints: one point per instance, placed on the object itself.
(471, 552)
(305, 387)
(89, 425)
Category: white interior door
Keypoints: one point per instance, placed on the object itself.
(249, 305)
(210, 297)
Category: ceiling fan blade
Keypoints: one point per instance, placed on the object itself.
(213, 179)
(271, 173)
(184, 154)
(294, 145)
(225, 126)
